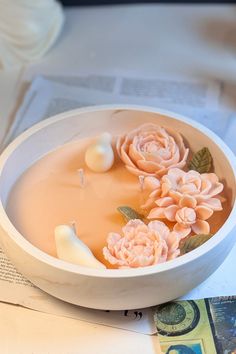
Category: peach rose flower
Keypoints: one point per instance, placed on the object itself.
(142, 245)
(151, 150)
(186, 198)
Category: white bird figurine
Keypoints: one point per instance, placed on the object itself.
(99, 156)
(71, 249)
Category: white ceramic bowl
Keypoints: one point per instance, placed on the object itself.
(113, 289)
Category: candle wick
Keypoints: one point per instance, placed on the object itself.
(141, 182)
(81, 177)
(73, 225)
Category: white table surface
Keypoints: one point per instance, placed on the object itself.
(185, 40)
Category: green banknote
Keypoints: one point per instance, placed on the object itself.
(205, 326)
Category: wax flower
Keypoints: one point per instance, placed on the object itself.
(187, 199)
(151, 150)
(141, 245)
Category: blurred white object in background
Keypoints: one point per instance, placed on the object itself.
(27, 29)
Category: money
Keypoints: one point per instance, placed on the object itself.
(206, 326)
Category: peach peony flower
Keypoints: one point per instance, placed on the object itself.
(186, 198)
(142, 245)
(151, 150)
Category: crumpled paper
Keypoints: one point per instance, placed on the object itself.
(28, 28)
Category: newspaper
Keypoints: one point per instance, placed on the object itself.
(16, 289)
(51, 95)
(205, 326)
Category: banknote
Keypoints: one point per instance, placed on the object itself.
(206, 326)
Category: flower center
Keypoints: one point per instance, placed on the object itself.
(186, 216)
(155, 148)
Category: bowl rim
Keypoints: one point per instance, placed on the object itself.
(54, 262)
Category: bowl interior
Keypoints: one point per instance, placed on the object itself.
(49, 135)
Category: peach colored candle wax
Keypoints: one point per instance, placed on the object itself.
(49, 193)
(59, 189)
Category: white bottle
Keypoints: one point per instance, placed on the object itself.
(28, 28)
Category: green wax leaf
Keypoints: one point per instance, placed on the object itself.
(201, 161)
(129, 213)
(190, 243)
